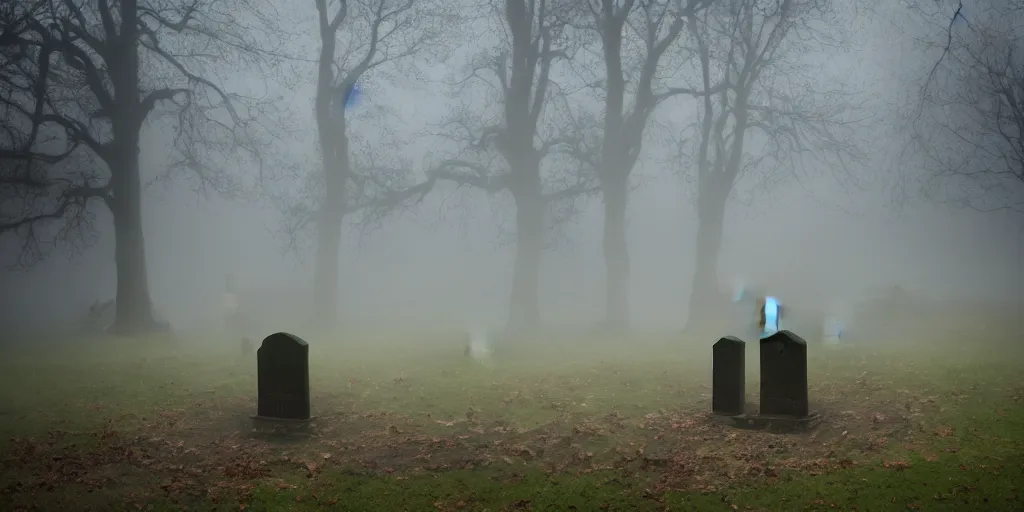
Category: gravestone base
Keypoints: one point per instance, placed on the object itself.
(772, 422)
(725, 417)
(282, 426)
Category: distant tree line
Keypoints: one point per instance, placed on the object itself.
(556, 110)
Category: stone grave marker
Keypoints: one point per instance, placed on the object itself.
(282, 363)
(728, 373)
(784, 375)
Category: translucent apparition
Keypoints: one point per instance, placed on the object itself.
(837, 318)
(832, 331)
(353, 95)
(739, 290)
(480, 346)
(347, 99)
(746, 305)
(742, 316)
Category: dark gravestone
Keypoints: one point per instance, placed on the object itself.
(283, 365)
(728, 376)
(784, 375)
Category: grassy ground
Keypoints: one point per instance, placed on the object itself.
(154, 425)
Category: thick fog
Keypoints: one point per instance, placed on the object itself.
(448, 264)
(814, 237)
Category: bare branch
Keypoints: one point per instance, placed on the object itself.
(945, 52)
(968, 127)
(478, 175)
(63, 114)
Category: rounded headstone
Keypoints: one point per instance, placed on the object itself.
(784, 375)
(283, 377)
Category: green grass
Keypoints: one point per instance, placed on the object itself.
(562, 425)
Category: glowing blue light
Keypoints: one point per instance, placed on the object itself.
(347, 99)
(353, 95)
(771, 315)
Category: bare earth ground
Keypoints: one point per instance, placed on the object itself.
(160, 425)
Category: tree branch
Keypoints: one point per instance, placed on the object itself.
(150, 100)
(478, 177)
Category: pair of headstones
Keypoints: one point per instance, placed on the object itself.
(783, 376)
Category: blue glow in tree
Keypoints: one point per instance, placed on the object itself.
(347, 99)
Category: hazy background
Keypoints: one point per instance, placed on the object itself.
(450, 260)
(436, 264)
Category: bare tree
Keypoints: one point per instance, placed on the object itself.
(25, 75)
(371, 33)
(755, 47)
(89, 77)
(14, 23)
(522, 146)
(969, 119)
(635, 36)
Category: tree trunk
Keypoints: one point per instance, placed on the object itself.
(616, 255)
(133, 306)
(334, 158)
(524, 305)
(707, 303)
(705, 296)
(331, 132)
(326, 269)
(332, 215)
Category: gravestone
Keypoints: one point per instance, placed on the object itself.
(784, 375)
(282, 362)
(728, 374)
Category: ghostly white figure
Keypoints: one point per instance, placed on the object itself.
(479, 347)
(739, 289)
(230, 310)
(229, 305)
(744, 309)
(836, 320)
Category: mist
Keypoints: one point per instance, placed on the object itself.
(817, 236)
(511, 255)
(453, 267)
